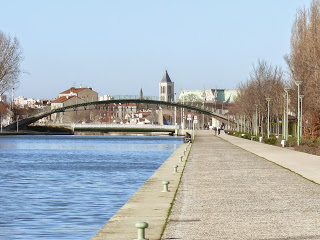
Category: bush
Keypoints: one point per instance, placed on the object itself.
(231, 132)
(270, 140)
(292, 142)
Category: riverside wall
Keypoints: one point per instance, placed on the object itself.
(149, 204)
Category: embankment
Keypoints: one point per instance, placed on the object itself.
(149, 204)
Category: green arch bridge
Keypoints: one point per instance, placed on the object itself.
(29, 120)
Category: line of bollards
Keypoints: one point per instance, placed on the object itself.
(141, 226)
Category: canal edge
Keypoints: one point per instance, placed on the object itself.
(149, 204)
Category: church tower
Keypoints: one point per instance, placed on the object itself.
(166, 89)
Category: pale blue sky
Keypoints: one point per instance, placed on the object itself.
(118, 46)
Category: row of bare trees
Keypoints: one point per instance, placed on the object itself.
(267, 81)
(304, 65)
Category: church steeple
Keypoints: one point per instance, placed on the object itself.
(141, 93)
(166, 77)
(166, 88)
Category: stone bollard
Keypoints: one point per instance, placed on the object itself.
(181, 158)
(283, 143)
(165, 186)
(175, 167)
(141, 233)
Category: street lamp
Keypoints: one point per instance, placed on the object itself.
(182, 111)
(17, 123)
(298, 83)
(256, 119)
(204, 99)
(175, 110)
(268, 101)
(286, 90)
(301, 97)
(12, 100)
(284, 117)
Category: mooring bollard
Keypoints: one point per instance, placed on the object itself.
(181, 158)
(175, 167)
(165, 186)
(141, 232)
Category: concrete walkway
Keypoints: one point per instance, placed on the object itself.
(229, 193)
(306, 165)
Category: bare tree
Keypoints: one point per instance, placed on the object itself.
(265, 81)
(10, 58)
(304, 65)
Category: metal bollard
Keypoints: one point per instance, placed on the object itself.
(181, 158)
(141, 233)
(165, 186)
(175, 167)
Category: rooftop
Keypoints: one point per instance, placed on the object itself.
(62, 99)
(74, 90)
(166, 77)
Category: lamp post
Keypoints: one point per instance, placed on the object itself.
(182, 120)
(12, 100)
(286, 90)
(204, 100)
(284, 117)
(268, 101)
(175, 110)
(256, 119)
(301, 97)
(298, 83)
(17, 123)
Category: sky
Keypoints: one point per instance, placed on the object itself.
(118, 46)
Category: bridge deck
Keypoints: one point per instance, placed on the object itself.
(229, 193)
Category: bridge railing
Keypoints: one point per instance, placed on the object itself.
(132, 126)
(121, 97)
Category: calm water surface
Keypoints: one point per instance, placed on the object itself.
(67, 187)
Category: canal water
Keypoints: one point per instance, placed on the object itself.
(67, 187)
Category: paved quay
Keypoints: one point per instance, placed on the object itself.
(227, 192)
(149, 204)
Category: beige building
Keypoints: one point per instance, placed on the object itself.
(86, 94)
(66, 101)
(74, 96)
